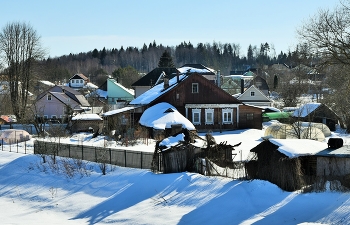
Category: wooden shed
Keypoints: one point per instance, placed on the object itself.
(294, 164)
(86, 123)
(318, 113)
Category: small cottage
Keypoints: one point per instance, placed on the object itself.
(295, 163)
(318, 113)
(86, 123)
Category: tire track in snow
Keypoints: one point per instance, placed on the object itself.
(341, 215)
(270, 210)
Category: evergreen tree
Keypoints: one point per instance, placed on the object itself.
(250, 55)
(95, 53)
(166, 60)
(103, 56)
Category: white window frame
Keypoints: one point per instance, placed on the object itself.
(252, 93)
(46, 117)
(49, 97)
(72, 81)
(54, 117)
(207, 113)
(195, 85)
(196, 111)
(226, 119)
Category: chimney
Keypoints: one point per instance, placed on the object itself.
(177, 77)
(166, 82)
(242, 85)
(218, 78)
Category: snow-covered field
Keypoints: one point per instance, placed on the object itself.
(31, 194)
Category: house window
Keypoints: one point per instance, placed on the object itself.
(53, 117)
(46, 117)
(196, 116)
(81, 81)
(227, 116)
(209, 116)
(252, 93)
(250, 116)
(72, 81)
(49, 97)
(194, 87)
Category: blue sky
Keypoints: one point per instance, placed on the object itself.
(81, 25)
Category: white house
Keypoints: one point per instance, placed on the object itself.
(253, 96)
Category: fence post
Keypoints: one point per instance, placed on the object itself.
(158, 161)
(17, 145)
(110, 156)
(82, 152)
(124, 158)
(141, 160)
(2, 144)
(25, 147)
(95, 155)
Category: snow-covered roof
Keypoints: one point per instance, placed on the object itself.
(155, 92)
(116, 111)
(163, 115)
(98, 92)
(90, 85)
(306, 109)
(48, 83)
(187, 69)
(172, 141)
(299, 147)
(87, 116)
(272, 109)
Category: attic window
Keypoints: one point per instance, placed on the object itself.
(49, 97)
(195, 88)
(252, 93)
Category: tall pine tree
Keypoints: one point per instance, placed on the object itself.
(166, 60)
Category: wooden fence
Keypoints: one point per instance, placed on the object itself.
(119, 157)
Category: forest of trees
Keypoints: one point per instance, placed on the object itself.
(96, 64)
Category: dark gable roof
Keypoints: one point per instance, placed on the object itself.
(151, 78)
(103, 87)
(79, 76)
(159, 94)
(259, 82)
(70, 92)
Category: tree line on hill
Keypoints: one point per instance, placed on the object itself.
(96, 64)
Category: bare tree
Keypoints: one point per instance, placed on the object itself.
(328, 33)
(19, 49)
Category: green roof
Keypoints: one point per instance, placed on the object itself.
(277, 115)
